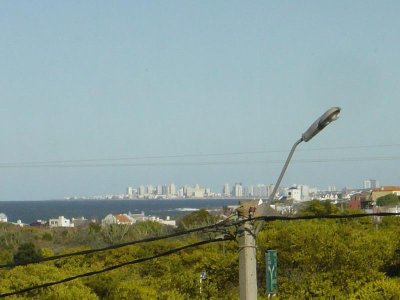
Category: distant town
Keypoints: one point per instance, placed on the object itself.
(286, 201)
(297, 192)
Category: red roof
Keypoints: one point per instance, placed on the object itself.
(387, 189)
(123, 218)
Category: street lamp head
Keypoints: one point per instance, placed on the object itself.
(329, 116)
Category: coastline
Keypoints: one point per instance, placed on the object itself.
(29, 211)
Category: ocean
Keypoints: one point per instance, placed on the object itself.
(30, 211)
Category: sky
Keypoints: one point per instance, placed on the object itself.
(100, 95)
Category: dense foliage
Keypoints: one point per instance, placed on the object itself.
(388, 200)
(325, 259)
(318, 208)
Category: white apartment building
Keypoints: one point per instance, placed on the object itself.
(159, 190)
(237, 190)
(225, 190)
(196, 192)
(299, 192)
(141, 191)
(150, 189)
(172, 189)
(370, 184)
(294, 193)
(260, 190)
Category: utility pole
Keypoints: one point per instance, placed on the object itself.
(246, 210)
(247, 262)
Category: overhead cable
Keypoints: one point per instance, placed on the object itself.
(136, 261)
(222, 224)
(95, 161)
(200, 163)
(263, 218)
(85, 252)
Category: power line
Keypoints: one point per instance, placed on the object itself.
(205, 163)
(85, 252)
(136, 261)
(223, 224)
(264, 218)
(92, 162)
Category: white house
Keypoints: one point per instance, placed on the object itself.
(60, 222)
(3, 218)
(294, 193)
(168, 221)
(19, 223)
(137, 217)
(120, 219)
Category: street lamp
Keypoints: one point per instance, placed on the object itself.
(329, 116)
(247, 244)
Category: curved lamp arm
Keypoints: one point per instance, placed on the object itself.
(329, 116)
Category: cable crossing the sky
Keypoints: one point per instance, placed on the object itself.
(221, 224)
(225, 237)
(136, 261)
(127, 161)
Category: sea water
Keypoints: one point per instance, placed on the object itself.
(30, 211)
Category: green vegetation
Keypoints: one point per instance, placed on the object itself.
(322, 259)
(318, 208)
(26, 252)
(388, 200)
(196, 219)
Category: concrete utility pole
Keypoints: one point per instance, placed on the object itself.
(247, 234)
(247, 262)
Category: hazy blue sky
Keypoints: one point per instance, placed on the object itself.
(94, 80)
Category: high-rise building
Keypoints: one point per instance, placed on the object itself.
(331, 188)
(164, 190)
(260, 190)
(181, 192)
(374, 183)
(225, 190)
(129, 191)
(141, 191)
(159, 190)
(367, 184)
(371, 184)
(305, 192)
(270, 189)
(196, 191)
(237, 190)
(150, 189)
(172, 189)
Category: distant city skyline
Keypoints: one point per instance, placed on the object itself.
(99, 96)
(235, 190)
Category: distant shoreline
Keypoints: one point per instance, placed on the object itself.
(140, 199)
(30, 211)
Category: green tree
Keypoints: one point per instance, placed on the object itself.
(388, 200)
(31, 275)
(133, 289)
(114, 233)
(327, 259)
(318, 208)
(6, 257)
(376, 290)
(196, 219)
(26, 252)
